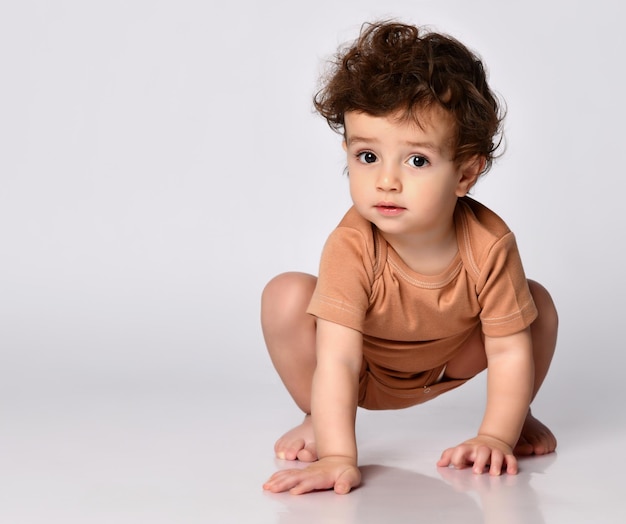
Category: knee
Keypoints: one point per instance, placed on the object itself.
(286, 298)
(548, 315)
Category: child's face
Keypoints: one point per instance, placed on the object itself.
(402, 176)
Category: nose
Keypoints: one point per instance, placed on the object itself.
(388, 180)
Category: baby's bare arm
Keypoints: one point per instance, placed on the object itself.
(510, 373)
(333, 411)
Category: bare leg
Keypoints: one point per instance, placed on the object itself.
(290, 339)
(535, 438)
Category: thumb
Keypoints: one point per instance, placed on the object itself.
(348, 479)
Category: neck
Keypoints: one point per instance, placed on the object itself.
(427, 253)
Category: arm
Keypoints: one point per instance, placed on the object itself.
(335, 390)
(333, 410)
(510, 372)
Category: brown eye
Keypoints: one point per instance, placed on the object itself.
(418, 161)
(367, 157)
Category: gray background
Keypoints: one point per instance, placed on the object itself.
(160, 161)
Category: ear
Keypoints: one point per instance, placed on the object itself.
(469, 171)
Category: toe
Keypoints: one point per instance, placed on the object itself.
(523, 448)
(289, 450)
(307, 454)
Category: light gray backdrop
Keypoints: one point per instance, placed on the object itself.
(160, 161)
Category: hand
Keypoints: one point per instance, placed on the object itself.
(339, 473)
(481, 452)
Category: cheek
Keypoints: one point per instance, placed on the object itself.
(432, 197)
(355, 183)
(359, 195)
(355, 193)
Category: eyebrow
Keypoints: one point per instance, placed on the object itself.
(419, 145)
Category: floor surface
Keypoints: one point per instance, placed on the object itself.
(185, 453)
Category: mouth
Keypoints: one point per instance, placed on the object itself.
(389, 208)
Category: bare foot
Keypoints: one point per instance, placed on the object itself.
(536, 438)
(298, 443)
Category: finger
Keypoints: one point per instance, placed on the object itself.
(349, 479)
(306, 486)
(445, 459)
(511, 464)
(270, 482)
(497, 461)
(283, 480)
(462, 456)
(312, 482)
(482, 459)
(276, 485)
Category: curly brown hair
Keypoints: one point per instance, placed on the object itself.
(394, 67)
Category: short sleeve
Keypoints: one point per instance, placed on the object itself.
(507, 306)
(343, 289)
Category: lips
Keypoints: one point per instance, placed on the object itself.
(387, 204)
(389, 208)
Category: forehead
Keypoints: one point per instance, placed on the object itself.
(433, 123)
